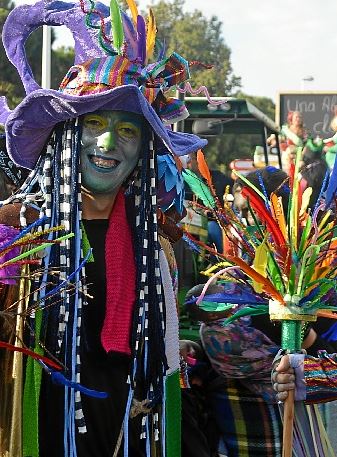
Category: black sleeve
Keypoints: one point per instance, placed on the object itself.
(271, 329)
(322, 344)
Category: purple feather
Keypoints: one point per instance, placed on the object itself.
(141, 34)
(8, 234)
(130, 37)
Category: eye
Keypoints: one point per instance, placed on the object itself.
(127, 130)
(95, 122)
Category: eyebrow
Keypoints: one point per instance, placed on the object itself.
(136, 122)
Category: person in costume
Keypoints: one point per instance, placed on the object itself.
(93, 148)
(330, 144)
(292, 136)
(242, 352)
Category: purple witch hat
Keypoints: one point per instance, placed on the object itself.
(102, 78)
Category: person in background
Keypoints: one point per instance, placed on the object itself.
(330, 144)
(292, 136)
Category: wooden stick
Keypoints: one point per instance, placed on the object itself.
(288, 425)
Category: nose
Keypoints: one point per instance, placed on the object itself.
(107, 141)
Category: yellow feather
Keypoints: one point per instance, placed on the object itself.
(278, 213)
(260, 265)
(211, 270)
(305, 200)
(150, 35)
(134, 10)
(325, 220)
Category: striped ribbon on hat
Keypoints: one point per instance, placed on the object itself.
(103, 73)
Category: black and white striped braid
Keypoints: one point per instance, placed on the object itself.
(36, 286)
(71, 256)
(149, 323)
(61, 188)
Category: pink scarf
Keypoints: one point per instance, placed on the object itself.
(120, 281)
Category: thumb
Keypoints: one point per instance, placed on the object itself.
(284, 365)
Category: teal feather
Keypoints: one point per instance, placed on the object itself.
(117, 26)
(199, 188)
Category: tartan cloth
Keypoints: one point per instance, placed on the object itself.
(249, 426)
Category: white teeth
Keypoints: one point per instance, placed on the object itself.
(104, 163)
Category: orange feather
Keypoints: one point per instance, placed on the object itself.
(267, 285)
(203, 168)
(328, 314)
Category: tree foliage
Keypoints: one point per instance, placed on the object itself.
(191, 34)
(197, 38)
(10, 82)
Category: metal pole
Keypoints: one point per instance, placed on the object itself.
(180, 125)
(46, 58)
(278, 150)
(265, 148)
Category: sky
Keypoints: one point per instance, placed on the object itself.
(276, 44)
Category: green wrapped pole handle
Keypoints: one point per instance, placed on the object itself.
(292, 342)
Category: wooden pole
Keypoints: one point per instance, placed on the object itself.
(288, 425)
(291, 341)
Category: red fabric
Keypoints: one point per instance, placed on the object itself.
(120, 281)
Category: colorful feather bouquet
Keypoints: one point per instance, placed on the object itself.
(287, 261)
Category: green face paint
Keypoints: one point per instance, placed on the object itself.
(111, 142)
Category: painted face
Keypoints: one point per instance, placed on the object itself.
(111, 143)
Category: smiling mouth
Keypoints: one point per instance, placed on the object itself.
(103, 163)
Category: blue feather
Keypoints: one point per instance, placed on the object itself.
(332, 186)
(141, 38)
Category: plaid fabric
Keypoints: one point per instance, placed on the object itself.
(249, 426)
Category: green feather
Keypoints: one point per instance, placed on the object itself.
(199, 188)
(304, 236)
(117, 26)
(210, 306)
(249, 184)
(275, 273)
(292, 279)
(34, 250)
(248, 311)
(309, 268)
